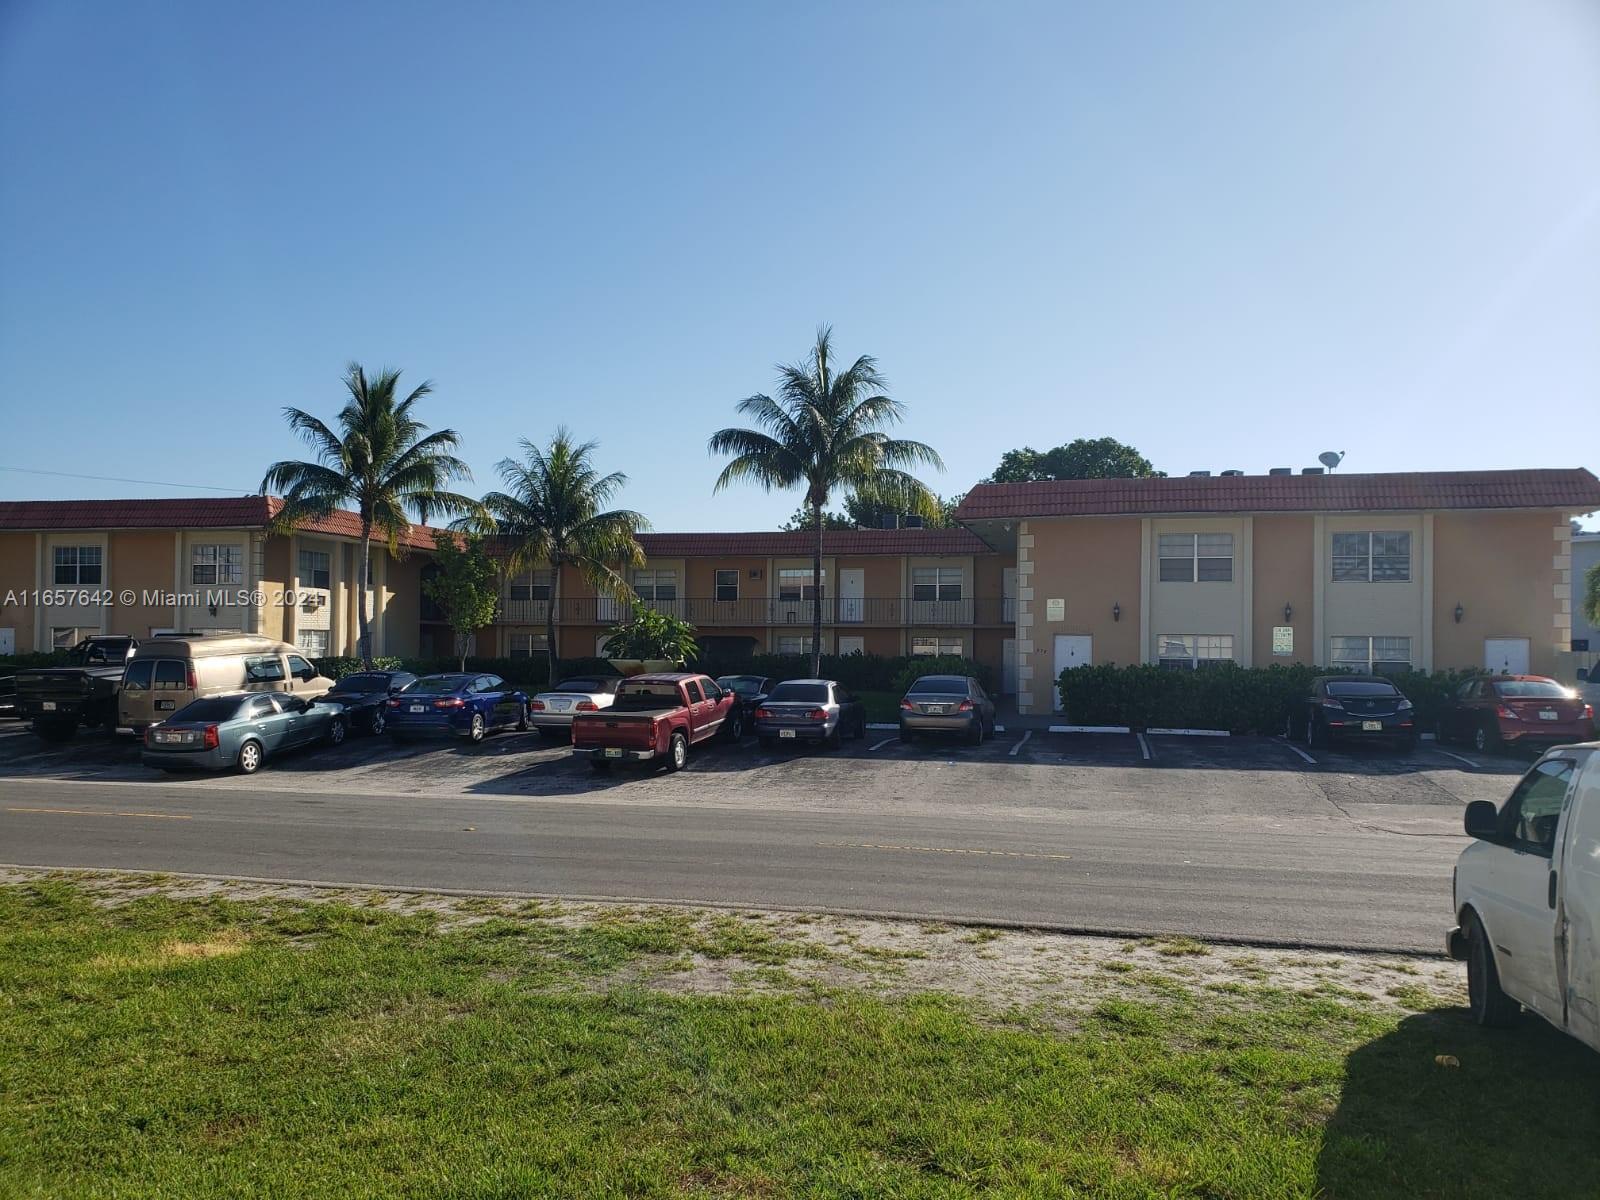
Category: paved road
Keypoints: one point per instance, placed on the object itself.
(1342, 886)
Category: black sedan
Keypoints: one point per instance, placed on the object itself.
(751, 690)
(364, 694)
(1354, 708)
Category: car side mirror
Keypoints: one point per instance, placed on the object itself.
(1482, 820)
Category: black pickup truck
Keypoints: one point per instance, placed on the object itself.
(59, 699)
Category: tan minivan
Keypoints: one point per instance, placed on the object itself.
(166, 673)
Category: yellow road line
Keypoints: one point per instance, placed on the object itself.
(98, 812)
(939, 850)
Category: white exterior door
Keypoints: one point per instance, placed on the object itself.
(1072, 650)
(1008, 667)
(1505, 656)
(1008, 595)
(852, 595)
(852, 645)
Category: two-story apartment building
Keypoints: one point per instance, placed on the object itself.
(1429, 570)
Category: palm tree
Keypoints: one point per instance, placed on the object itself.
(550, 515)
(378, 463)
(824, 431)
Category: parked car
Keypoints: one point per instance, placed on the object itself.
(365, 696)
(1516, 710)
(241, 731)
(551, 712)
(1527, 898)
(166, 673)
(467, 706)
(59, 699)
(946, 704)
(751, 690)
(656, 718)
(1354, 708)
(810, 710)
(8, 696)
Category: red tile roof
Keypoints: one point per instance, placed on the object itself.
(1574, 489)
(800, 544)
(227, 512)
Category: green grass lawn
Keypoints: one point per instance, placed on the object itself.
(194, 1048)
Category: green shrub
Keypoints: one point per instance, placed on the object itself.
(943, 664)
(859, 672)
(1226, 696)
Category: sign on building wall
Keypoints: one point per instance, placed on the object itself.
(1283, 639)
(1055, 610)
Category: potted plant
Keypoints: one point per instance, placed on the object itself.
(650, 641)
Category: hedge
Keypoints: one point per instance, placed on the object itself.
(1226, 696)
(524, 672)
(859, 672)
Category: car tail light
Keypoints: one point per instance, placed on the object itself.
(1588, 712)
(1331, 703)
(964, 706)
(1403, 705)
(585, 706)
(212, 741)
(817, 714)
(763, 714)
(193, 686)
(536, 705)
(1505, 714)
(149, 735)
(450, 702)
(394, 702)
(908, 706)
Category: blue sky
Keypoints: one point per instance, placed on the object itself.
(1231, 234)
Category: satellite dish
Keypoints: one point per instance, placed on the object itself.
(1331, 458)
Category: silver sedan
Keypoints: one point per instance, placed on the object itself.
(946, 704)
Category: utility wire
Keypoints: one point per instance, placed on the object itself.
(205, 487)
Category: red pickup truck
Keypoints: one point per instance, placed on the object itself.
(657, 717)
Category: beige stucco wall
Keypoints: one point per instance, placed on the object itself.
(19, 576)
(1392, 609)
(1091, 564)
(141, 561)
(1213, 608)
(402, 613)
(1502, 569)
(1284, 572)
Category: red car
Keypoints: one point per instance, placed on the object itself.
(656, 718)
(1516, 710)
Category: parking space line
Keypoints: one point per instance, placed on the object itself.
(1298, 751)
(1026, 734)
(1464, 761)
(1144, 746)
(879, 745)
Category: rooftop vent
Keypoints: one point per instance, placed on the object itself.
(1311, 471)
(1199, 474)
(1281, 471)
(889, 521)
(1233, 474)
(913, 522)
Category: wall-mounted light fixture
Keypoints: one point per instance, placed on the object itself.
(1288, 613)
(1116, 612)
(1460, 612)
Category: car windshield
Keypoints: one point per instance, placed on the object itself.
(810, 693)
(1532, 689)
(580, 685)
(741, 684)
(443, 685)
(362, 683)
(1362, 687)
(938, 685)
(214, 709)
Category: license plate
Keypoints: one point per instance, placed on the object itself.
(1372, 726)
(1547, 715)
(166, 705)
(558, 706)
(172, 737)
(613, 752)
(49, 706)
(935, 708)
(417, 708)
(783, 733)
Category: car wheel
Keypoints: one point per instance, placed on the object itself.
(249, 758)
(834, 740)
(336, 731)
(522, 719)
(975, 738)
(677, 753)
(734, 725)
(1490, 1006)
(476, 731)
(375, 725)
(1315, 736)
(861, 729)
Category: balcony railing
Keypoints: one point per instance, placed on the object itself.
(706, 612)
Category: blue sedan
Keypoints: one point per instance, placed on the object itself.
(465, 706)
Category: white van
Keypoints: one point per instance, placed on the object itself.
(166, 673)
(1527, 896)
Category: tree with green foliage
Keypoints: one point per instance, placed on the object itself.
(552, 515)
(465, 584)
(826, 430)
(649, 633)
(382, 462)
(1591, 594)
(867, 505)
(801, 519)
(1085, 458)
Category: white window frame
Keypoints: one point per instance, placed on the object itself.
(794, 583)
(309, 569)
(1370, 661)
(76, 634)
(527, 645)
(532, 585)
(932, 584)
(304, 639)
(1363, 567)
(654, 585)
(928, 645)
(75, 566)
(718, 585)
(1188, 548)
(1191, 651)
(224, 560)
(792, 643)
